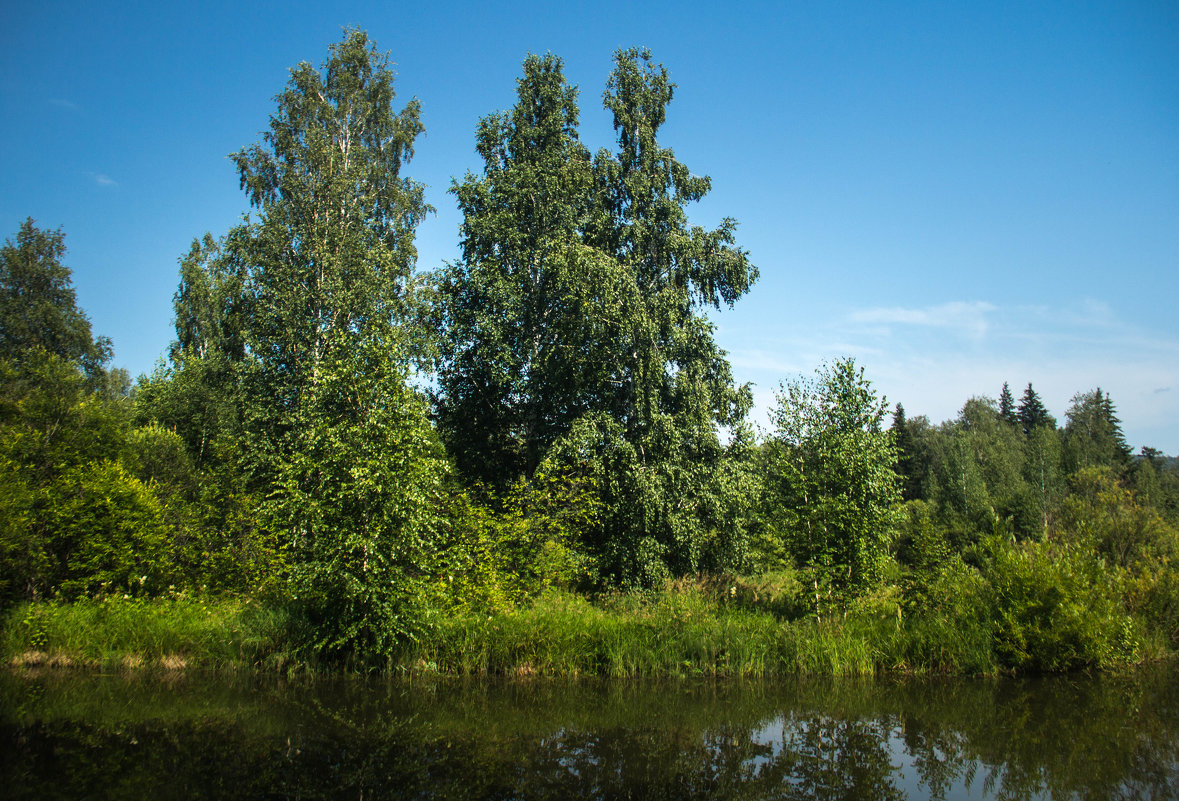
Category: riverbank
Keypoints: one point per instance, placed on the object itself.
(681, 630)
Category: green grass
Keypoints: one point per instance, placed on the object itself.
(133, 632)
(686, 629)
(678, 632)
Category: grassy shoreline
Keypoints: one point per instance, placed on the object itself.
(676, 632)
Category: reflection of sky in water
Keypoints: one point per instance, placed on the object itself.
(971, 780)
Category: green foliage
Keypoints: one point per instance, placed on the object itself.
(921, 544)
(572, 330)
(38, 310)
(158, 456)
(830, 486)
(1044, 477)
(1055, 608)
(116, 631)
(105, 533)
(501, 552)
(315, 474)
(1156, 481)
(1032, 413)
(333, 247)
(51, 420)
(195, 397)
(680, 492)
(983, 471)
(211, 304)
(948, 618)
(1093, 434)
(1102, 516)
(76, 520)
(510, 379)
(663, 514)
(910, 467)
(358, 496)
(1007, 410)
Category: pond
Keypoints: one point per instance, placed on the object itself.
(80, 735)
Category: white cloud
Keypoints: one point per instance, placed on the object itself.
(934, 358)
(103, 180)
(65, 104)
(969, 319)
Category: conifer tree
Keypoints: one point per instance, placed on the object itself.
(1007, 406)
(1032, 413)
(906, 466)
(1093, 433)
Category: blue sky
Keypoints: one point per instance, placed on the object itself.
(955, 194)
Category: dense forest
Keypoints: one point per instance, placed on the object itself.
(541, 443)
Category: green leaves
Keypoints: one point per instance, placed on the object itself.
(37, 302)
(571, 327)
(358, 491)
(333, 249)
(529, 312)
(830, 485)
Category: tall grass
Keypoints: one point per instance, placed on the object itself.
(679, 632)
(132, 632)
(959, 625)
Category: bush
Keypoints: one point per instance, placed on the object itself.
(1055, 608)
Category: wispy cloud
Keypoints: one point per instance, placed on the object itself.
(934, 358)
(967, 318)
(65, 104)
(103, 180)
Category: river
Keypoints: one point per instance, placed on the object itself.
(74, 735)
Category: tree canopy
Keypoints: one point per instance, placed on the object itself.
(830, 478)
(38, 306)
(574, 315)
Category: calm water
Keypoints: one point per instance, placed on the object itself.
(87, 736)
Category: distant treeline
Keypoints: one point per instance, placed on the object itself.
(570, 439)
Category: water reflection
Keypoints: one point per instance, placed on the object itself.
(71, 736)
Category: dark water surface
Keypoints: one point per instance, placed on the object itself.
(79, 735)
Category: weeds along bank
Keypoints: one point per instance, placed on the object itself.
(1023, 614)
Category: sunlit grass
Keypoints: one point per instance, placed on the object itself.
(168, 633)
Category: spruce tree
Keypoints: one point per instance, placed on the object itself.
(1093, 433)
(1007, 406)
(1032, 412)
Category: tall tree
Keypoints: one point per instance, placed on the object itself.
(196, 394)
(334, 437)
(210, 303)
(829, 475)
(574, 326)
(674, 385)
(678, 268)
(1044, 478)
(1007, 406)
(38, 307)
(529, 311)
(1093, 433)
(1032, 412)
(907, 466)
(333, 249)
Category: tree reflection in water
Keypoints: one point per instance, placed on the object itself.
(68, 736)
